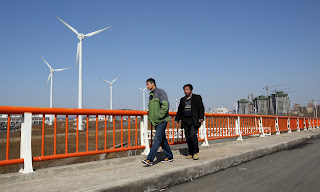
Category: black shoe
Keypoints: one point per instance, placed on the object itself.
(147, 162)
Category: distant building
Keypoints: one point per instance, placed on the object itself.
(172, 110)
(297, 107)
(16, 119)
(218, 110)
(310, 107)
(297, 110)
(100, 118)
(243, 106)
(261, 105)
(279, 103)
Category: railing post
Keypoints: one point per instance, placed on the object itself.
(309, 124)
(25, 145)
(277, 126)
(261, 128)
(298, 128)
(203, 133)
(304, 124)
(228, 127)
(141, 131)
(288, 125)
(144, 135)
(238, 131)
(314, 125)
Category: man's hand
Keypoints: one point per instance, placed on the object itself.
(200, 120)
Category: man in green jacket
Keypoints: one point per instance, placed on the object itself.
(158, 116)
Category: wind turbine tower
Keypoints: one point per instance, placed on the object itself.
(176, 105)
(110, 83)
(81, 36)
(143, 98)
(50, 78)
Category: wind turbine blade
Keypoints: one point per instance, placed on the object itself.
(96, 32)
(46, 63)
(61, 69)
(105, 80)
(48, 79)
(72, 29)
(77, 57)
(114, 80)
(140, 89)
(145, 88)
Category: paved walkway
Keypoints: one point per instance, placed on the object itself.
(129, 174)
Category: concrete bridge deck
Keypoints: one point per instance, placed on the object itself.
(129, 174)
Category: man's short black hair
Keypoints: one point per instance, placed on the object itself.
(188, 85)
(151, 80)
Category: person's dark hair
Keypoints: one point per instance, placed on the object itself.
(188, 85)
(151, 80)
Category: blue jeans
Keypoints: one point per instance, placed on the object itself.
(160, 140)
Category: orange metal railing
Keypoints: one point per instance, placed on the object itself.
(219, 126)
(131, 133)
(122, 134)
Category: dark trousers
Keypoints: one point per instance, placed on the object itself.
(191, 135)
(160, 140)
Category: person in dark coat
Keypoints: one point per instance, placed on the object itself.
(191, 112)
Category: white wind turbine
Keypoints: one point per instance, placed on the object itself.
(110, 83)
(176, 105)
(50, 78)
(81, 36)
(143, 98)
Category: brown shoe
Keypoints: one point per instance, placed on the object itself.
(189, 157)
(196, 156)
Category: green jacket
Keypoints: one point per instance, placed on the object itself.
(158, 107)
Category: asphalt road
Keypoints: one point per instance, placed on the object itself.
(292, 170)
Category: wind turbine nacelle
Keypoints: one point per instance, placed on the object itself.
(80, 36)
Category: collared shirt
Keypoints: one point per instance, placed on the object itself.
(189, 96)
(151, 93)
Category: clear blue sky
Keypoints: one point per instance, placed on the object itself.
(226, 49)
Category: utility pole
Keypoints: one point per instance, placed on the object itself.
(315, 105)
